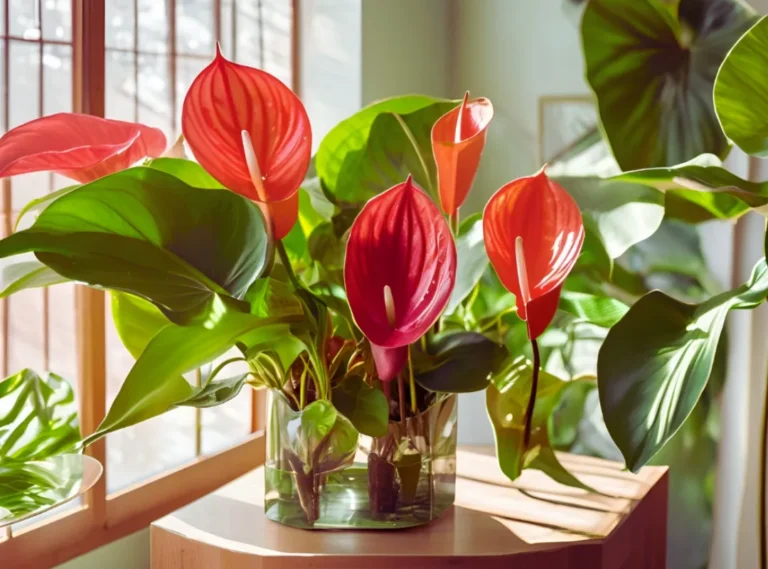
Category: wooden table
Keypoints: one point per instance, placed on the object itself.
(534, 523)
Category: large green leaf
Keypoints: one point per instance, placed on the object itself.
(599, 310)
(653, 71)
(459, 362)
(620, 214)
(25, 271)
(146, 232)
(380, 146)
(366, 407)
(136, 320)
(471, 259)
(741, 91)
(189, 172)
(506, 401)
(655, 363)
(703, 181)
(154, 384)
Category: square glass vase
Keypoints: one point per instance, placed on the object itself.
(340, 479)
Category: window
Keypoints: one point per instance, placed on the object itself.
(131, 60)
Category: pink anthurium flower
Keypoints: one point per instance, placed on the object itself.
(248, 130)
(81, 147)
(399, 272)
(458, 139)
(533, 235)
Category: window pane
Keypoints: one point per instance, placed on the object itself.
(153, 26)
(227, 424)
(227, 28)
(57, 79)
(187, 69)
(194, 27)
(119, 24)
(276, 15)
(24, 19)
(120, 87)
(57, 20)
(155, 92)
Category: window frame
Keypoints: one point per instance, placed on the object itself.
(103, 518)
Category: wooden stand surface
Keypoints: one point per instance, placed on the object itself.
(532, 523)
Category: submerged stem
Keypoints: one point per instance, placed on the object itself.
(763, 514)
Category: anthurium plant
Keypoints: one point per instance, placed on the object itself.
(348, 284)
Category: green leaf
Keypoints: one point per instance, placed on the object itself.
(317, 420)
(655, 363)
(460, 362)
(620, 214)
(25, 271)
(38, 417)
(154, 384)
(39, 204)
(599, 310)
(136, 320)
(366, 407)
(653, 73)
(189, 172)
(380, 146)
(471, 260)
(741, 88)
(145, 232)
(507, 401)
(215, 393)
(703, 181)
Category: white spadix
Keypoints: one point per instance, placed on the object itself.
(389, 305)
(253, 165)
(522, 271)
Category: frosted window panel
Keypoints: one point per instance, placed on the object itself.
(62, 338)
(187, 69)
(120, 86)
(25, 336)
(119, 24)
(57, 19)
(155, 92)
(57, 79)
(277, 38)
(227, 37)
(153, 26)
(158, 445)
(24, 19)
(228, 424)
(194, 27)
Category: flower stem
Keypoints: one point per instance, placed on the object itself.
(453, 222)
(287, 264)
(412, 381)
(401, 398)
(532, 397)
(763, 514)
(220, 367)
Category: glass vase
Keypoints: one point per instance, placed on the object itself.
(403, 479)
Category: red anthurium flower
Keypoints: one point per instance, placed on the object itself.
(399, 272)
(458, 139)
(533, 234)
(80, 147)
(248, 130)
(282, 215)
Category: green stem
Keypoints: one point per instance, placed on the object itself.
(412, 139)
(532, 396)
(219, 367)
(763, 473)
(453, 222)
(287, 264)
(401, 399)
(303, 389)
(412, 381)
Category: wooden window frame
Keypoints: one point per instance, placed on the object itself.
(102, 518)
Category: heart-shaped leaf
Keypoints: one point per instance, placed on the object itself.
(655, 363)
(652, 68)
(599, 310)
(189, 172)
(507, 401)
(380, 146)
(471, 260)
(366, 407)
(460, 362)
(148, 233)
(741, 87)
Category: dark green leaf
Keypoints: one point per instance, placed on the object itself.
(471, 260)
(215, 393)
(37, 205)
(655, 363)
(136, 320)
(741, 90)
(599, 310)
(146, 232)
(506, 401)
(366, 407)
(653, 75)
(380, 146)
(460, 362)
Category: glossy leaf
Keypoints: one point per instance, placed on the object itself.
(539, 217)
(400, 266)
(215, 393)
(81, 147)
(189, 172)
(379, 146)
(25, 271)
(460, 362)
(182, 245)
(471, 259)
(506, 401)
(29, 212)
(227, 98)
(655, 363)
(599, 310)
(741, 88)
(136, 321)
(652, 67)
(154, 384)
(327, 439)
(366, 407)
(458, 139)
